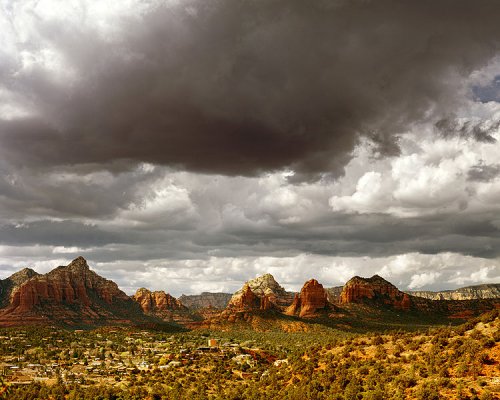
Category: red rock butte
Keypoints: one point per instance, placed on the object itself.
(311, 299)
(359, 289)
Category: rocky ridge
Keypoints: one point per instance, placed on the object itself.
(487, 291)
(206, 300)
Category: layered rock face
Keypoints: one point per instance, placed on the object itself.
(477, 292)
(310, 301)
(162, 305)
(244, 300)
(267, 291)
(157, 301)
(206, 300)
(69, 294)
(376, 288)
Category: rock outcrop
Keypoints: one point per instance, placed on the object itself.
(375, 289)
(477, 292)
(71, 295)
(264, 286)
(206, 300)
(244, 300)
(311, 300)
(162, 305)
(157, 301)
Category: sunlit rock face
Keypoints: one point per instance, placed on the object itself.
(162, 305)
(71, 294)
(244, 300)
(312, 298)
(268, 292)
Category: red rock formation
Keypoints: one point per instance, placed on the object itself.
(246, 300)
(162, 305)
(70, 294)
(375, 288)
(312, 298)
(69, 285)
(405, 303)
(157, 301)
(264, 286)
(265, 303)
(294, 308)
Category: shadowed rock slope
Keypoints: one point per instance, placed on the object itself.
(10, 284)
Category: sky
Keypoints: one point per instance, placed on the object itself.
(191, 145)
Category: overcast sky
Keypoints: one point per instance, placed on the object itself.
(190, 145)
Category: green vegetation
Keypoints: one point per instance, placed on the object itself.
(459, 362)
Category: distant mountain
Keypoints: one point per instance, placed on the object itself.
(69, 295)
(10, 284)
(487, 291)
(206, 300)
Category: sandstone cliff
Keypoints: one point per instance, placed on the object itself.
(164, 306)
(244, 300)
(70, 295)
(311, 300)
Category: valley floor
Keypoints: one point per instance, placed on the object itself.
(461, 362)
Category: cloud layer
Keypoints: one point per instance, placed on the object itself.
(191, 145)
(235, 88)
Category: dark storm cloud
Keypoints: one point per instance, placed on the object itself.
(468, 129)
(374, 235)
(242, 87)
(63, 233)
(483, 173)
